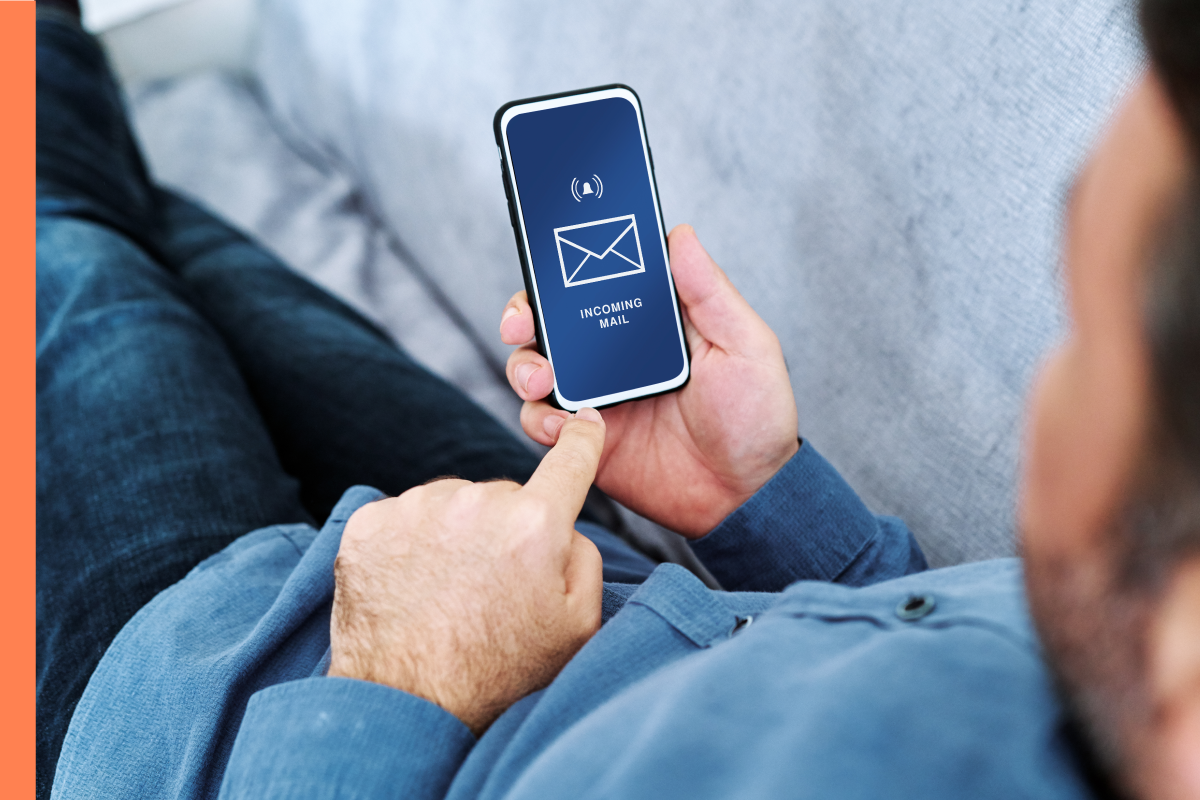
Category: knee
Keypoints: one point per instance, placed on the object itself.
(83, 265)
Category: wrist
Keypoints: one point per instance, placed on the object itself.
(706, 509)
(406, 677)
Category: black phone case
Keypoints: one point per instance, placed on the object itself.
(527, 268)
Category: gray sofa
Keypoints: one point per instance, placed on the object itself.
(883, 181)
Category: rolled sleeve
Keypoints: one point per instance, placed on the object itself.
(806, 523)
(336, 737)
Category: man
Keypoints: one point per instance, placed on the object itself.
(464, 643)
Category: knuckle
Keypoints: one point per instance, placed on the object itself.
(411, 497)
(470, 501)
(365, 521)
(470, 496)
(409, 504)
(476, 493)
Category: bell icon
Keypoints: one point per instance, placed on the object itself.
(594, 187)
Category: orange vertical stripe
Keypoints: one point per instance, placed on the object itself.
(18, 445)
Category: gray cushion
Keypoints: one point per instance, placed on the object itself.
(883, 181)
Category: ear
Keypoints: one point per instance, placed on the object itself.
(1175, 677)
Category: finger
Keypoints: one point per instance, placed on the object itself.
(537, 419)
(529, 374)
(566, 473)
(516, 323)
(719, 312)
(584, 585)
(389, 512)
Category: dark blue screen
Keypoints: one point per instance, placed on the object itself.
(596, 247)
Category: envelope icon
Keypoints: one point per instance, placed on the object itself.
(600, 250)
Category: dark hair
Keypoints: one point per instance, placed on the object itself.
(1171, 29)
(1163, 518)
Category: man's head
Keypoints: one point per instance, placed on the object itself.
(1110, 512)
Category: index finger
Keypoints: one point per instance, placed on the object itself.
(566, 473)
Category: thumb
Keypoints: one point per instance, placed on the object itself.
(566, 473)
(720, 314)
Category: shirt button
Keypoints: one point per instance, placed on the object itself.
(915, 606)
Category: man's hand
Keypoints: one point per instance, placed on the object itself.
(472, 595)
(689, 458)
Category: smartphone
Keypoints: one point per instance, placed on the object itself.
(579, 178)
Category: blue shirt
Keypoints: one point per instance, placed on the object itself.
(838, 667)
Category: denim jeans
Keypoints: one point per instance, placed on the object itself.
(191, 388)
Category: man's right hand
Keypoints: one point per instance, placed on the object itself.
(689, 458)
(472, 595)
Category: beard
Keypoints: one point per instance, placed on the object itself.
(1093, 617)
(1095, 610)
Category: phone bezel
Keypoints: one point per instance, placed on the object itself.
(503, 117)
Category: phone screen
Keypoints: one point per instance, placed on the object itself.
(585, 208)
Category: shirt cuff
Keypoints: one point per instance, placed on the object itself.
(806, 523)
(337, 737)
